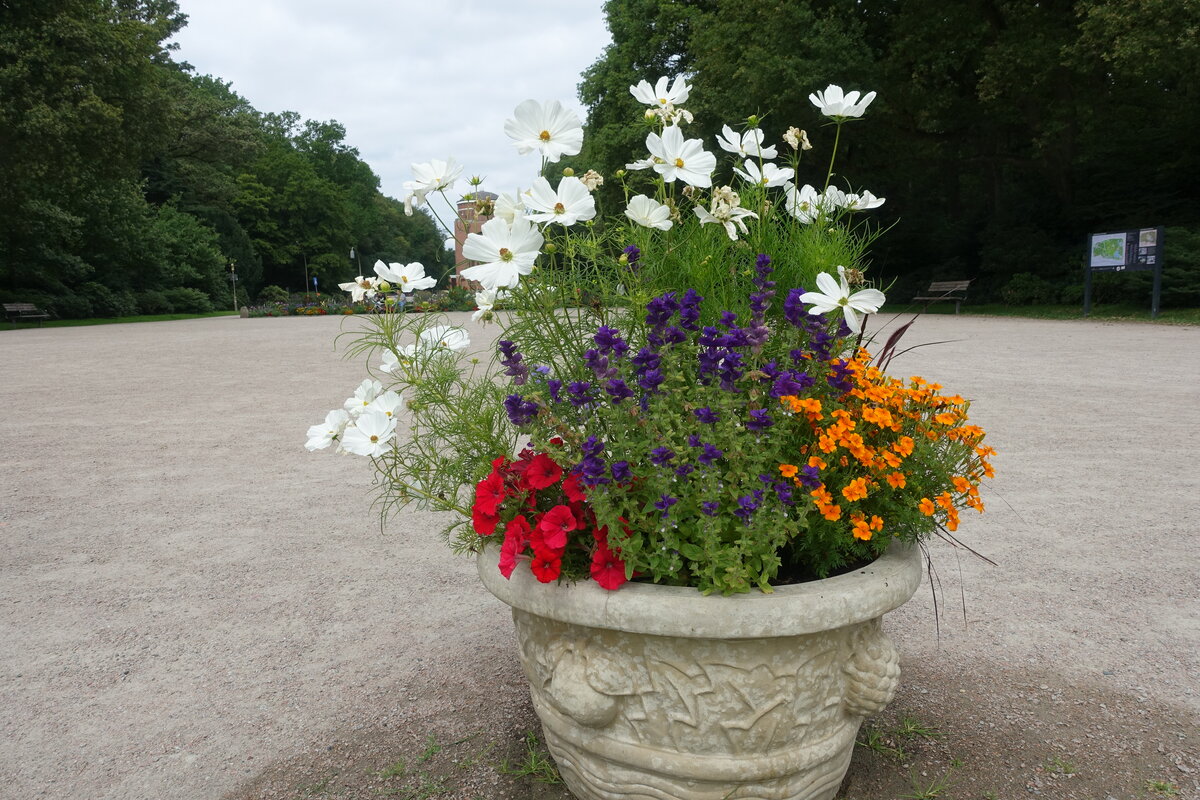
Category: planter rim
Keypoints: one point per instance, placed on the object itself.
(803, 608)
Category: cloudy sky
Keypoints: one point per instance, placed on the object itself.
(411, 80)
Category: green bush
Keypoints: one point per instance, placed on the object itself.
(189, 301)
(272, 294)
(459, 299)
(1181, 267)
(107, 303)
(154, 302)
(71, 306)
(1025, 288)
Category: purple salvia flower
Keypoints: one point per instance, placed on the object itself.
(659, 456)
(664, 504)
(579, 391)
(512, 360)
(647, 358)
(606, 338)
(617, 390)
(809, 477)
(689, 310)
(710, 507)
(728, 318)
(632, 254)
(520, 411)
(759, 420)
(650, 380)
(709, 456)
(694, 441)
(553, 386)
(683, 470)
(707, 415)
(621, 471)
(793, 310)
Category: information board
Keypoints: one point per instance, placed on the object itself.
(1135, 250)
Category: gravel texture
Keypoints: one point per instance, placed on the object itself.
(192, 606)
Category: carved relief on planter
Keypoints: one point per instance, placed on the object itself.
(630, 714)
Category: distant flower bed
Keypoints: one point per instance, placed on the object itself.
(316, 305)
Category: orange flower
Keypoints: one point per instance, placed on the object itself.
(788, 470)
(897, 480)
(945, 418)
(905, 446)
(861, 529)
(831, 513)
(926, 507)
(891, 458)
(856, 490)
(946, 501)
(816, 461)
(876, 523)
(961, 484)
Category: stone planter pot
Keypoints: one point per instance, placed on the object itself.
(660, 693)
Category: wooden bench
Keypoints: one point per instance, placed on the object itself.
(946, 290)
(24, 312)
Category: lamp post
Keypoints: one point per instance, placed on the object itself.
(305, 257)
(233, 281)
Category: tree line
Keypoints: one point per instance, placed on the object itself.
(1005, 131)
(131, 184)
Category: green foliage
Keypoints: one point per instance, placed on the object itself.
(272, 294)
(459, 299)
(986, 176)
(106, 303)
(1025, 288)
(153, 301)
(188, 301)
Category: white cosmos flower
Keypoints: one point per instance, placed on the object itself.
(391, 362)
(659, 95)
(645, 163)
(390, 403)
(805, 204)
(370, 434)
(767, 175)
(485, 302)
(732, 218)
(834, 295)
(649, 213)
(405, 277)
(677, 158)
(552, 130)
(506, 252)
(863, 202)
(359, 288)
(321, 436)
(366, 392)
(747, 145)
(443, 337)
(509, 207)
(434, 176)
(833, 103)
(570, 204)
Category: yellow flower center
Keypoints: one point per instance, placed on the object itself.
(544, 136)
(559, 208)
(374, 438)
(662, 101)
(505, 254)
(404, 279)
(679, 163)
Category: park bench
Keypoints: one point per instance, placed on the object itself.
(24, 312)
(946, 290)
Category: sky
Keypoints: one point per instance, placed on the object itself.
(410, 80)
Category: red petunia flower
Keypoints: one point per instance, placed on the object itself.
(485, 524)
(572, 490)
(554, 526)
(516, 536)
(607, 569)
(489, 494)
(546, 565)
(542, 472)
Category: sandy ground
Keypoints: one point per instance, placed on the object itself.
(192, 606)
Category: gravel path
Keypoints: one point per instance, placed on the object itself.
(192, 606)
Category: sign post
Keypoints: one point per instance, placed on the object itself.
(1135, 250)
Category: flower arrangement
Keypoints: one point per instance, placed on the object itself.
(667, 401)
